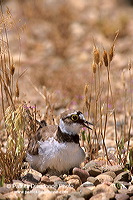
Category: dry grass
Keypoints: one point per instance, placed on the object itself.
(12, 109)
(97, 103)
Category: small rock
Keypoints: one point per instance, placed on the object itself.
(2, 197)
(74, 197)
(19, 185)
(102, 188)
(81, 173)
(100, 196)
(40, 188)
(94, 172)
(85, 193)
(73, 181)
(31, 176)
(93, 180)
(12, 196)
(47, 195)
(59, 183)
(110, 173)
(46, 180)
(4, 190)
(104, 178)
(123, 191)
(72, 177)
(124, 176)
(88, 188)
(55, 179)
(121, 197)
(30, 196)
(87, 184)
(130, 191)
(117, 169)
(65, 189)
(91, 164)
(130, 188)
(114, 188)
(63, 197)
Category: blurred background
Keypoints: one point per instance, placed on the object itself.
(52, 45)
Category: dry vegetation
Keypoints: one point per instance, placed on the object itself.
(67, 68)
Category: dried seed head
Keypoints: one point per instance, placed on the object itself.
(17, 90)
(96, 56)
(123, 78)
(130, 65)
(86, 90)
(94, 67)
(101, 63)
(111, 53)
(8, 82)
(12, 69)
(105, 58)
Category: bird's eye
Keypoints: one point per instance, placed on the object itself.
(74, 117)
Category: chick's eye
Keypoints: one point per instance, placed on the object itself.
(74, 117)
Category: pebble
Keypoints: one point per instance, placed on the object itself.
(93, 180)
(65, 189)
(54, 178)
(31, 176)
(85, 192)
(91, 164)
(110, 173)
(30, 196)
(76, 195)
(2, 197)
(58, 183)
(130, 190)
(40, 188)
(47, 196)
(74, 181)
(121, 197)
(83, 174)
(12, 196)
(104, 178)
(72, 177)
(19, 185)
(87, 184)
(94, 172)
(100, 196)
(46, 180)
(123, 191)
(117, 169)
(4, 190)
(73, 197)
(63, 197)
(123, 176)
(102, 188)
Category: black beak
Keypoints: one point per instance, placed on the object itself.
(86, 124)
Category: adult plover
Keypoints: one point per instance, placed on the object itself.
(56, 148)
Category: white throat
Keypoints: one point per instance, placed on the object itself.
(71, 129)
